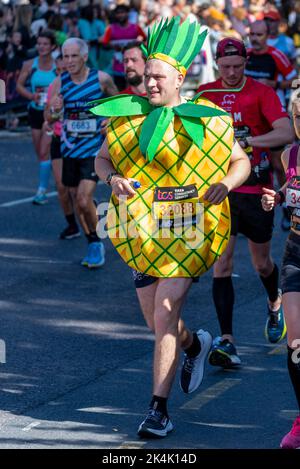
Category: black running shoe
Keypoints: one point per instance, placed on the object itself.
(155, 425)
(70, 232)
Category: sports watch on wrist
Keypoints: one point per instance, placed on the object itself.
(245, 143)
(109, 178)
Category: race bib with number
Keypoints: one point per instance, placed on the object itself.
(293, 193)
(82, 126)
(176, 206)
(43, 93)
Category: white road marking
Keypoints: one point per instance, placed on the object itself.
(132, 445)
(24, 201)
(30, 426)
(210, 394)
(30, 199)
(279, 350)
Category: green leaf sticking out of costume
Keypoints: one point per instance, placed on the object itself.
(195, 131)
(122, 105)
(153, 130)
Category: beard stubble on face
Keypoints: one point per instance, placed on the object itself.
(135, 80)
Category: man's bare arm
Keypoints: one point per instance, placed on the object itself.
(282, 134)
(104, 167)
(107, 84)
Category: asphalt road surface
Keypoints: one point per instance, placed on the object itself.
(78, 356)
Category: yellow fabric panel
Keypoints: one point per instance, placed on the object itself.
(178, 162)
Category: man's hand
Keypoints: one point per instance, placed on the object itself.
(57, 103)
(103, 127)
(269, 199)
(216, 193)
(121, 187)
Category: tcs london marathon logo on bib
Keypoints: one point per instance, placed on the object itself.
(2, 92)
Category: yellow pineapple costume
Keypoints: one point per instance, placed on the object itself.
(167, 229)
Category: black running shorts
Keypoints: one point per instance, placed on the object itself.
(143, 280)
(55, 152)
(249, 218)
(290, 270)
(76, 169)
(35, 118)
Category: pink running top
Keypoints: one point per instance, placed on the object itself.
(58, 124)
(292, 167)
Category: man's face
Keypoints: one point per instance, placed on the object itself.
(134, 66)
(273, 26)
(162, 82)
(73, 60)
(258, 35)
(231, 69)
(121, 16)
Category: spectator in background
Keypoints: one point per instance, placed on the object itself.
(279, 39)
(70, 26)
(55, 23)
(15, 55)
(116, 36)
(91, 28)
(23, 22)
(240, 22)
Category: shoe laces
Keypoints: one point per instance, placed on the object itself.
(155, 415)
(273, 319)
(94, 249)
(189, 363)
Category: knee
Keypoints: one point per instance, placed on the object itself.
(262, 267)
(224, 266)
(165, 318)
(82, 201)
(150, 324)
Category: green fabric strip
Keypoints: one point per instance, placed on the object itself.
(194, 129)
(122, 105)
(153, 130)
(196, 110)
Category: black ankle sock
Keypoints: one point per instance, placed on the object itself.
(271, 284)
(92, 237)
(195, 348)
(223, 296)
(71, 220)
(160, 404)
(294, 372)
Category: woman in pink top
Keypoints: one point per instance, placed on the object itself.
(290, 272)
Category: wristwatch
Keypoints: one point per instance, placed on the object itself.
(245, 143)
(109, 177)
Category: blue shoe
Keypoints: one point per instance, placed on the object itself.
(40, 198)
(85, 261)
(275, 328)
(96, 255)
(223, 353)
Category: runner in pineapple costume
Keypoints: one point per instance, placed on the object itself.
(180, 155)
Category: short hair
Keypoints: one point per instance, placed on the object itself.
(134, 45)
(83, 47)
(49, 34)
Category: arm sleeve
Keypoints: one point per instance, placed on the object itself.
(283, 64)
(107, 35)
(271, 106)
